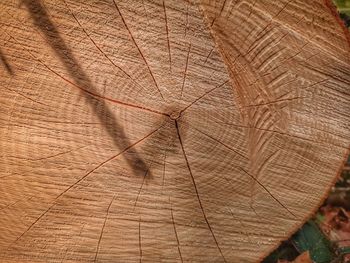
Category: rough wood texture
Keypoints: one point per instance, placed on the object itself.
(174, 131)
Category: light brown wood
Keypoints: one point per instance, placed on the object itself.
(166, 131)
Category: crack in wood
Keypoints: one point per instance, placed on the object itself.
(167, 33)
(176, 235)
(140, 240)
(223, 144)
(99, 49)
(264, 187)
(138, 48)
(81, 179)
(103, 227)
(143, 182)
(185, 71)
(203, 95)
(196, 191)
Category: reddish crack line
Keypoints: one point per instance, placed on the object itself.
(102, 97)
(87, 91)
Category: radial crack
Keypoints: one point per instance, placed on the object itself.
(140, 243)
(273, 102)
(167, 32)
(206, 59)
(264, 187)
(196, 190)
(84, 177)
(30, 227)
(99, 96)
(103, 227)
(203, 95)
(186, 25)
(177, 237)
(95, 95)
(138, 48)
(26, 97)
(164, 161)
(143, 182)
(58, 154)
(223, 144)
(108, 160)
(100, 50)
(185, 71)
(222, 9)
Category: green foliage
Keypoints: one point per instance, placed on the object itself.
(286, 251)
(343, 7)
(310, 238)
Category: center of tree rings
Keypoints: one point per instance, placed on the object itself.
(175, 115)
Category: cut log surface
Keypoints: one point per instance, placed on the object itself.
(167, 131)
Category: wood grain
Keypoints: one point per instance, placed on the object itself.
(167, 131)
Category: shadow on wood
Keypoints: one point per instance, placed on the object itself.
(106, 117)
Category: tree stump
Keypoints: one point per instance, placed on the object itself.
(167, 131)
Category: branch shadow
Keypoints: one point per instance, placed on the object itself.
(6, 64)
(108, 120)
